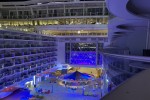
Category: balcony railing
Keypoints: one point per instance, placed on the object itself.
(90, 14)
(119, 67)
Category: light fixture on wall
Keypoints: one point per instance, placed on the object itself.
(98, 23)
(79, 32)
(39, 3)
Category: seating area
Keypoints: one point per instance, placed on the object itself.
(42, 91)
(53, 91)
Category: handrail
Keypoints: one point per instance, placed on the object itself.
(129, 57)
(134, 88)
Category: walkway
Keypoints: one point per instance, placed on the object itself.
(62, 93)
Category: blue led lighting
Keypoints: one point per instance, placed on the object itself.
(83, 58)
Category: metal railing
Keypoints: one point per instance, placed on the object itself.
(76, 14)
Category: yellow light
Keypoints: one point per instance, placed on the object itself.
(79, 32)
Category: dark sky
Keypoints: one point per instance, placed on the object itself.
(12, 0)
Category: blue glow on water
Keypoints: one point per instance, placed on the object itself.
(83, 58)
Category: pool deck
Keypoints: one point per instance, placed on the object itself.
(63, 93)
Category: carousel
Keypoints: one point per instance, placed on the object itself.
(76, 80)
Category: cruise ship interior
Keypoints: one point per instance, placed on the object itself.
(74, 50)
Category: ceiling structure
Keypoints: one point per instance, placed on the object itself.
(126, 21)
(139, 8)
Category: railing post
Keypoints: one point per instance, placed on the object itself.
(147, 36)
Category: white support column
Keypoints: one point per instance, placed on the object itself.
(147, 37)
(16, 11)
(32, 14)
(83, 8)
(52, 12)
(103, 11)
(64, 10)
(103, 8)
(47, 13)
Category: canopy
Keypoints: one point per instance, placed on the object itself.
(77, 76)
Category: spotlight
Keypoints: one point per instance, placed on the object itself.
(79, 32)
